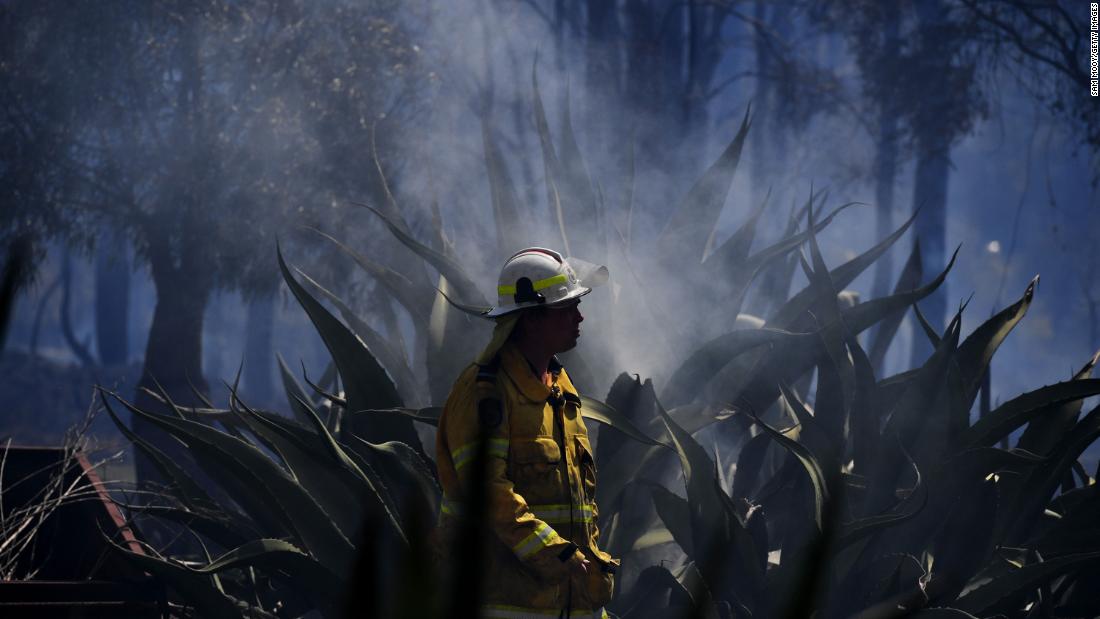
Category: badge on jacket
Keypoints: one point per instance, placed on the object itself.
(490, 413)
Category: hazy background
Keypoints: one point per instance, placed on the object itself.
(158, 150)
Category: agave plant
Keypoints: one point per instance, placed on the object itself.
(874, 496)
(889, 500)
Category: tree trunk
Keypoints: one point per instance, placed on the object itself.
(761, 158)
(79, 348)
(933, 137)
(258, 356)
(112, 300)
(17, 267)
(886, 164)
(173, 354)
(930, 196)
(173, 357)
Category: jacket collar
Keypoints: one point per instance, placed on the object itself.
(516, 366)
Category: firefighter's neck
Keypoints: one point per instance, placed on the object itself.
(538, 354)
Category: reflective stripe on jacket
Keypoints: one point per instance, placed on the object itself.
(540, 484)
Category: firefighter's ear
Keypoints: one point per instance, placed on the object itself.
(490, 413)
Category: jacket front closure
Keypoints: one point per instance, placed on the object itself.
(543, 415)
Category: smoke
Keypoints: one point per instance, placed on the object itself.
(454, 66)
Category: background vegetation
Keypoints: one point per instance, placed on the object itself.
(398, 158)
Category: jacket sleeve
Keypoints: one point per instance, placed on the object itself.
(470, 415)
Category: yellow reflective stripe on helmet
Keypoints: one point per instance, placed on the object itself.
(539, 285)
(550, 281)
(465, 454)
(558, 513)
(541, 538)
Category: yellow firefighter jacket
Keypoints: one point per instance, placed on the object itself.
(541, 487)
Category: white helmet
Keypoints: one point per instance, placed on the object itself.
(537, 276)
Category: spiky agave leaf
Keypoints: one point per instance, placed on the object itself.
(552, 169)
(1044, 432)
(507, 208)
(835, 374)
(221, 526)
(640, 460)
(266, 491)
(754, 376)
(411, 480)
(654, 583)
(196, 588)
(280, 558)
(686, 236)
(188, 491)
(726, 553)
(1024, 408)
(446, 265)
(729, 256)
(292, 389)
(906, 419)
(908, 279)
(367, 384)
(794, 586)
(720, 351)
(428, 415)
(965, 541)
(997, 596)
(327, 482)
(811, 434)
(390, 359)
(1074, 528)
(738, 279)
(582, 207)
(865, 418)
(788, 316)
(1037, 488)
(818, 479)
(315, 452)
(595, 410)
(359, 469)
(415, 299)
(749, 463)
(977, 349)
(675, 513)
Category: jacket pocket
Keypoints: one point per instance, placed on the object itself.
(538, 450)
(535, 465)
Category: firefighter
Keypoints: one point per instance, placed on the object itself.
(517, 410)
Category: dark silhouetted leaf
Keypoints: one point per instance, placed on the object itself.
(598, 411)
(446, 266)
(415, 299)
(1009, 416)
(909, 279)
(675, 513)
(367, 384)
(261, 486)
(684, 238)
(987, 599)
(977, 349)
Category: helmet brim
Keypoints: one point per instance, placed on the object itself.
(504, 310)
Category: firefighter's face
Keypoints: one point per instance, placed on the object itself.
(558, 328)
